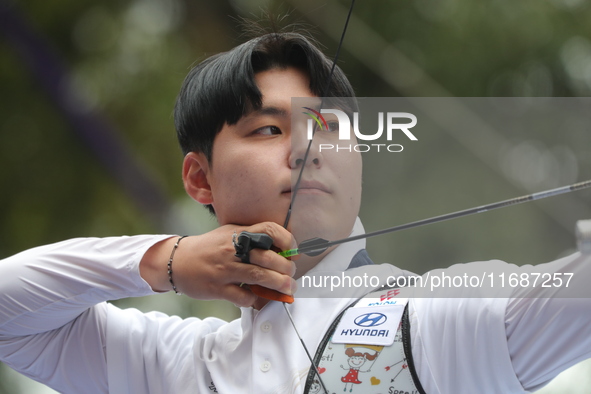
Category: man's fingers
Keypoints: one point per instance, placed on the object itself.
(239, 296)
(282, 239)
(252, 274)
(271, 260)
(267, 269)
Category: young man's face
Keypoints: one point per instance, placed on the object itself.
(255, 164)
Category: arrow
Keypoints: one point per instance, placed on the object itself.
(315, 246)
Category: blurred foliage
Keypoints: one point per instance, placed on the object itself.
(127, 59)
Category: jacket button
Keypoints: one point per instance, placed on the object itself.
(266, 326)
(265, 366)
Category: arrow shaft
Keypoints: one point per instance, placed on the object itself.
(453, 215)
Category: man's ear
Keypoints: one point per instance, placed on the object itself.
(195, 178)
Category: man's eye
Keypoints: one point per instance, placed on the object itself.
(268, 130)
(333, 126)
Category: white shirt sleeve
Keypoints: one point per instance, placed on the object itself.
(52, 309)
(459, 345)
(506, 339)
(548, 329)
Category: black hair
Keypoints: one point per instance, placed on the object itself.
(222, 88)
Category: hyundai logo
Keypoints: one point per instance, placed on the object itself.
(370, 319)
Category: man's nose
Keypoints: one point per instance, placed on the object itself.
(303, 149)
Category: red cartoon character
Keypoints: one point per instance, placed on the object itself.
(356, 361)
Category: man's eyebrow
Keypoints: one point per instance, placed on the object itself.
(275, 111)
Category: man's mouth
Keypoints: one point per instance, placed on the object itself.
(308, 187)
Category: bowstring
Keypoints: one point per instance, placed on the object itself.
(297, 184)
(324, 92)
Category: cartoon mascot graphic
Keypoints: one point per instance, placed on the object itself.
(358, 356)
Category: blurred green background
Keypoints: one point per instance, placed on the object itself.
(87, 144)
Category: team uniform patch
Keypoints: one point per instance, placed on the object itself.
(369, 325)
(364, 351)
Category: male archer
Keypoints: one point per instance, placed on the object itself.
(234, 124)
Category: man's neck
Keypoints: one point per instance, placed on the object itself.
(305, 263)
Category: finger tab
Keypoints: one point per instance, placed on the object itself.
(271, 294)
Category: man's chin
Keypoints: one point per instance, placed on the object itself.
(251, 221)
